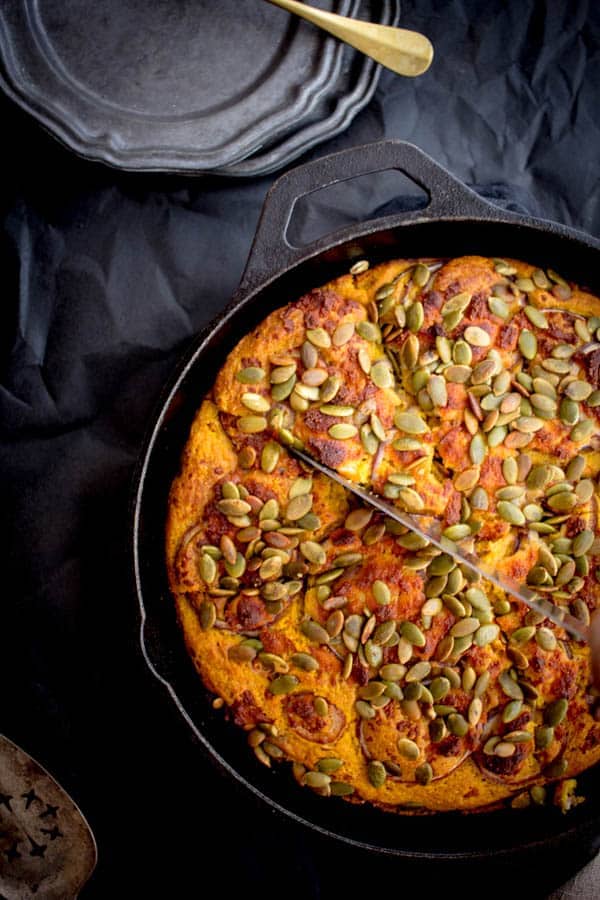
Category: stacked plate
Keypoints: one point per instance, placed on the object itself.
(194, 86)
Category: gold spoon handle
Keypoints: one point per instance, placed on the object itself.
(404, 52)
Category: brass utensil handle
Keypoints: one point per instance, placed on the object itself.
(404, 52)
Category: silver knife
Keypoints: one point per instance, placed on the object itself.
(433, 534)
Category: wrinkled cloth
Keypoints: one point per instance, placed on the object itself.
(107, 276)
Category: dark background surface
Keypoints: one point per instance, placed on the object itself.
(106, 278)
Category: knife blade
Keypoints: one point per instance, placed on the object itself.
(432, 532)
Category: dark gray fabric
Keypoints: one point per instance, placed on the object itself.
(107, 276)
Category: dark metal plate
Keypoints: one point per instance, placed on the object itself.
(187, 85)
(349, 94)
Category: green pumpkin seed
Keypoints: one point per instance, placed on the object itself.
(409, 353)
(341, 789)
(392, 672)
(251, 424)
(410, 500)
(465, 627)
(359, 267)
(298, 507)
(364, 709)
(376, 773)
(594, 399)
(528, 344)
(457, 724)
(510, 469)
(510, 513)
(458, 374)
(568, 412)
(368, 440)
(415, 316)
(256, 402)
(575, 469)
(578, 390)
(330, 388)
(555, 712)
(304, 661)
(504, 749)
(381, 375)
(512, 710)
(369, 331)
(477, 337)
(250, 375)
(283, 684)
(523, 635)
(481, 685)
(319, 338)
(383, 633)
(583, 542)
(282, 391)
(329, 765)
(423, 774)
(486, 634)
(509, 686)
(540, 279)
(419, 671)
(408, 749)
(313, 552)
(420, 275)
(343, 333)
(498, 307)
(207, 615)
(309, 355)
(546, 639)
(413, 634)
(269, 457)
(583, 430)
(342, 431)
(381, 593)
(477, 449)
(314, 632)
(456, 304)
(536, 317)
(563, 501)
(544, 735)
(207, 568)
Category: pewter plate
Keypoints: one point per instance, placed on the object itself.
(350, 93)
(181, 86)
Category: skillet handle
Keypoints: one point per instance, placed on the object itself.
(271, 252)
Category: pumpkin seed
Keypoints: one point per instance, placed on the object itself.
(583, 430)
(207, 615)
(251, 424)
(343, 333)
(309, 355)
(381, 593)
(369, 331)
(544, 735)
(250, 375)
(504, 749)
(509, 686)
(410, 500)
(298, 507)
(256, 402)
(575, 469)
(207, 568)
(458, 374)
(313, 552)
(329, 388)
(423, 774)
(329, 765)
(486, 634)
(408, 749)
(536, 317)
(436, 387)
(457, 724)
(358, 267)
(540, 279)
(464, 627)
(555, 712)
(409, 353)
(283, 684)
(364, 709)
(342, 431)
(477, 449)
(319, 338)
(420, 275)
(475, 710)
(415, 316)
(528, 344)
(564, 501)
(383, 633)
(458, 303)
(376, 773)
(341, 789)
(358, 519)
(419, 671)
(481, 685)
(477, 337)
(237, 568)
(546, 639)
(498, 307)
(304, 661)
(510, 469)
(314, 632)
(413, 634)
(523, 635)
(368, 440)
(512, 710)
(479, 499)
(510, 513)
(381, 375)
(578, 390)
(594, 399)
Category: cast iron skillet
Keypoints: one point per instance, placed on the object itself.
(455, 222)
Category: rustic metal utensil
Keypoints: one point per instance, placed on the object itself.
(47, 848)
(431, 531)
(404, 52)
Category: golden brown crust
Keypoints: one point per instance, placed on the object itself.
(337, 640)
